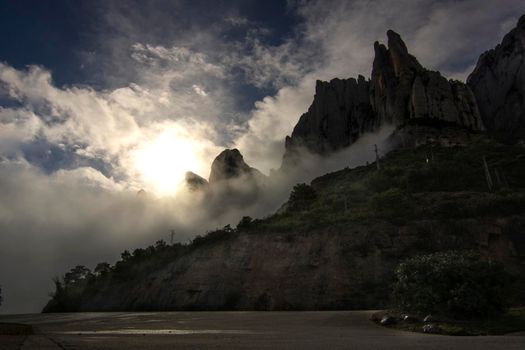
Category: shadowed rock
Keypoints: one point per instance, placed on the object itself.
(402, 91)
(230, 164)
(195, 182)
(498, 81)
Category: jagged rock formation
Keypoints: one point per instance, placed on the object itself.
(228, 165)
(341, 102)
(401, 92)
(195, 182)
(498, 82)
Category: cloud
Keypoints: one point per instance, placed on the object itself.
(209, 79)
(444, 35)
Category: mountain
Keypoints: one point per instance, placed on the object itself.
(498, 82)
(229, 165)
(339, 250)
(195, 182)
(336, 245)
(401, 92)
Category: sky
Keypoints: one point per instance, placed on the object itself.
(102, 98)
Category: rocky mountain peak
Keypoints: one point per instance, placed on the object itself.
(403, 91)
(230, 164)
(195, 182)
(400, 92)
(398, 53)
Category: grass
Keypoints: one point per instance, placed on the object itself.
(512, 321)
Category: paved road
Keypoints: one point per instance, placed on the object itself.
(232, 330)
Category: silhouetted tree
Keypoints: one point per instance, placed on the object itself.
(102, 269)
(160, 244)
(244, 223)
(125, 255)
(302, 197)
(76, 274)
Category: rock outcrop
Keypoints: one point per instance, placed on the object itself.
(498, 83)
(195, 182)
(230, 164)
(339, 114)
(402, 91)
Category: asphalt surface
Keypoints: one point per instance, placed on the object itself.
(231, 330)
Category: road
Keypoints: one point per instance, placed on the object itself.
(231, 330)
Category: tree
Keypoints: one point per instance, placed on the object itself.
(301, 197)
(244, 223)
(102, 269)
(76, 274)
(160, 244)
(125, 255)
(454, 284)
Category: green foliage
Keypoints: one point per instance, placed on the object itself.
(452, 284)
(392, 204)
(301, 197)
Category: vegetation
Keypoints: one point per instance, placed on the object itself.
(440, 185)
(513, 320)
(452, 284)
(301, 198)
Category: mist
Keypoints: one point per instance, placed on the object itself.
(69, 174)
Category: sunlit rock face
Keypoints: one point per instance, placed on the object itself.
(402, 91)
(229, 165)
(499, 85)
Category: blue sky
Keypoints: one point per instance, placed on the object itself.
(100, 98)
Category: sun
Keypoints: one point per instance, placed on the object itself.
(163, 162)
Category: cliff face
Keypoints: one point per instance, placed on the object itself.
(330, 269)
(339, 114)
(499, 85)
(337, 268)
(400, 92)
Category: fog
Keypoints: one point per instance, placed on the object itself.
(73, 157)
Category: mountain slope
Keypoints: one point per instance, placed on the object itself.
(339, 251)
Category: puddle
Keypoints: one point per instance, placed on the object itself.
(157, 332)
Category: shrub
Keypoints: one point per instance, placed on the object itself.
(453, 284)
(392, 204)
(302, 197)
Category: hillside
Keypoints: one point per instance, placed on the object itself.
(333, 250)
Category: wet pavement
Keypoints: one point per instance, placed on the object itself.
(231, 330)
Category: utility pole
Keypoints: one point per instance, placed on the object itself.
(377, 157)
(488, 178)
(172, 234)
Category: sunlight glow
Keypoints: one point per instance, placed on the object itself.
(164, 161)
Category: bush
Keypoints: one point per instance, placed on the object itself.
(452, 284)
(302, 197)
